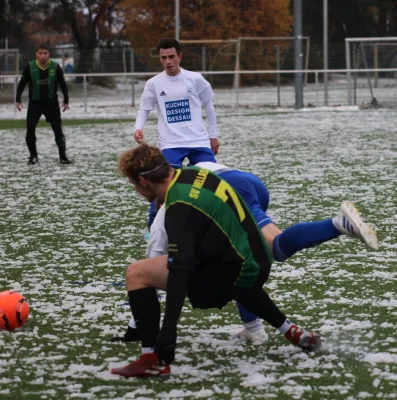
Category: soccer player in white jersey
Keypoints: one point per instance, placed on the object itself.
(179, 96)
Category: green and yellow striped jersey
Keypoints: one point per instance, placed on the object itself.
(209, 226)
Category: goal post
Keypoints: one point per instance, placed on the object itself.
(375, 53)
(9, 61)
(260, 52)
(9, 64)
(226, 47)
(285, 45)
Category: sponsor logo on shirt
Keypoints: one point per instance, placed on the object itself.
(178, 111)
(163, 93)
(198, 184)
(42, 82)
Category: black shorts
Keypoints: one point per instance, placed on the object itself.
(50, 109)
(215, 287)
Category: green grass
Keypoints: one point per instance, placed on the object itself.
(62, 224)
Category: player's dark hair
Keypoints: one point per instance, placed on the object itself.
(144, 160)
(43, 46)
(168, 44)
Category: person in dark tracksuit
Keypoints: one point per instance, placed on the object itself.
(43, 76)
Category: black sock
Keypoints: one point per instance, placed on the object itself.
(145, 308)
(259, 303)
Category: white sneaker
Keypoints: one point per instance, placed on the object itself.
(350, 223)
(259, 336)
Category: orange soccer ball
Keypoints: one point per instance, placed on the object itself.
(14, 310)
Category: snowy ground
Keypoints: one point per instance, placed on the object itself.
(64, 225)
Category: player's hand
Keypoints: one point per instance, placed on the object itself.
(214, 145)
(165, 347)
(19, 106)
(138, 134)
(65, 107)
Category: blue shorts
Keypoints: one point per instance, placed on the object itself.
(195, 155)
(253, 191)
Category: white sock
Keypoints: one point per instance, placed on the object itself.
(132, 323)
(146, 350)
(285, 326)
(254, 325)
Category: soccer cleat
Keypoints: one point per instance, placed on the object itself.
(350, 223)
(258, 336)
(33, 160)
(147, 366)
(130, 336)
(65, 161)
(309, 341)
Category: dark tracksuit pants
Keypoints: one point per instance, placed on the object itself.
(50, 109)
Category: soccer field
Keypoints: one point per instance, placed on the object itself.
(67, 234)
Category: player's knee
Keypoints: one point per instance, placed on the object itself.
(133, 273)
(139, 274)
(269, 231)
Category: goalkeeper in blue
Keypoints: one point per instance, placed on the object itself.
(283, 244)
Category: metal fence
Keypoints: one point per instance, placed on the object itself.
(233, 88)
(217, 55)
(250, 53)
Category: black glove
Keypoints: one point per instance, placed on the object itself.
(165, 347)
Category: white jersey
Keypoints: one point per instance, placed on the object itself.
(179, 100)
(158, 239)
(211, 166)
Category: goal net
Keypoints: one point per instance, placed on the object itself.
(239, 54)
(373, 81)
(9, 65)
(9, 61)
(269, 53)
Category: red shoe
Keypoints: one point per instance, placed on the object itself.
(147, 366)
(309, 341)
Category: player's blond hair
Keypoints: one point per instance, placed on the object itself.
(144, 160)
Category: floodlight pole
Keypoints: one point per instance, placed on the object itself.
(6, 38)
(348, 68)
(325, 49)
(298, 54)
(177, 20)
